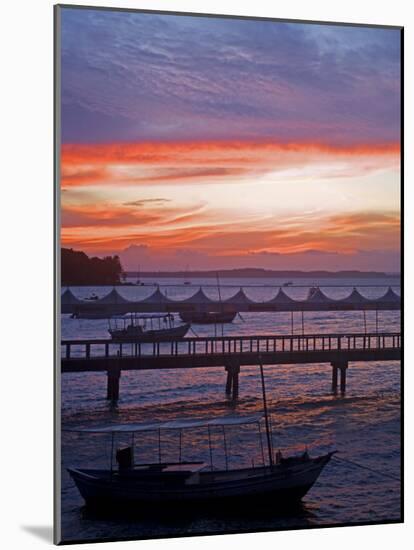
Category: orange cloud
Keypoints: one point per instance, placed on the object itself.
(342, 233)
(98, 216)
(186, 162)
(160, 152)
(93, 222)
(141, 219)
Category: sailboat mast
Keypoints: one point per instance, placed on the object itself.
(221, 306)
(266, 415)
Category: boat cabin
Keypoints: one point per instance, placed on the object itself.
(124, 456)
(133, 322)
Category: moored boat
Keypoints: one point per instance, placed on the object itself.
(91, 314)
(281, 481)
(92, 297)
(140, 328)
(278, 481)
(166, 483)
(208, 317)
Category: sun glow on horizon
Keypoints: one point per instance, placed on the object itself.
(230, 200)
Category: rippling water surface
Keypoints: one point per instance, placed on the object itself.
(364, 425)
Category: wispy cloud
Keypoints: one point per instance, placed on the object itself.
(189, 162)
(144, 202)
(129, 76)
(206, 233)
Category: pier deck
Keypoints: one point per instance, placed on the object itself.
(230, 352)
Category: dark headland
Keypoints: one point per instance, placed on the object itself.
(78, 269)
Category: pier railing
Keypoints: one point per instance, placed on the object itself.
(229, 345)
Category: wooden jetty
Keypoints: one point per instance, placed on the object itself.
(230, 353)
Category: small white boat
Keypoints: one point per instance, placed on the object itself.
(146, 328)
(92, 297)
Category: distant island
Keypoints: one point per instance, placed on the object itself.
(261, 273)
(78, 269)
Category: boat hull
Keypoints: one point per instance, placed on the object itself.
(164, 335)
(207, 318)
(277, 486)
(93, 315)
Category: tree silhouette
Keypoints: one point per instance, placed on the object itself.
(78, 269)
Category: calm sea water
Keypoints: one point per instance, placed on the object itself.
(364, 426)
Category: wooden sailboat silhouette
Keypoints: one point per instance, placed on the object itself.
(277, 482)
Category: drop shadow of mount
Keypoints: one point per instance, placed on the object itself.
(42, 532)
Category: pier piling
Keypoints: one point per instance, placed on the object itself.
(343, 377)
(232, 381)
(334, 378)
(114, 374)
(235, 393)
(342, 367)
(228, 382)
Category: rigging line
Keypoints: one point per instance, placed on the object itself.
(269, 443)
(221, 307)
(194, 332)
(346, 460)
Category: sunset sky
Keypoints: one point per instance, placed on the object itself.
(219, 143)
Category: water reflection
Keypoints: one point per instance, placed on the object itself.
(364, 425)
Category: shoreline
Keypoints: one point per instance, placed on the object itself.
(231, 275)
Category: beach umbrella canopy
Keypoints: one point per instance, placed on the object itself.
(390, 297)
(354, 298)
(318, 297)
(68, 298)
(198, 298)
(113, 298)
(157, 298)
(239, 298)
(281, 298)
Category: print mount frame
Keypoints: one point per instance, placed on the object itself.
(202, 311)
